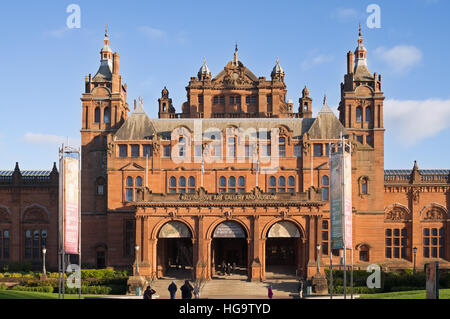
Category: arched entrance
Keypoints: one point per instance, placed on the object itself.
(175, 253)
(283, 249)
(229, 245)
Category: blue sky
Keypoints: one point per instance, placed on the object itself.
(43, 63)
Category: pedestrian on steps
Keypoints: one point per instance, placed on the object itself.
(270, 292)
(172, 289)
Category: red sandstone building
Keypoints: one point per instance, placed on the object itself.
(240, 175)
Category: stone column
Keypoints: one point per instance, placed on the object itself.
(202, 263)
(312, 246)
(319, 241)
(257, 262)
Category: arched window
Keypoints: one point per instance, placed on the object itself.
(325, 187)
(191, 184)
(172, 185)
(368, 114)
(182, 185)
(107, 115)
(282, 147)
(364, 188)
(364, 253)
(138, 182)
(129, 189)
(27, 244)
(358, 114)
(97, 115)
(222, 184)
(241, 184)
(232, 184)
(291, 184)
(100, 185)
(281, 184)
(272, 184)
(36, 246)
(4, 244)
(181, 146)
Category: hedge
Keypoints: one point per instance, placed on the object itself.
(36, 289)
(356, 290)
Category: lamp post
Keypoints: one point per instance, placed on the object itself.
(44, 271)
(414, 269)
(318, 258)
(137, 259)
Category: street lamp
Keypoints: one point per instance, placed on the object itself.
(137, 259)
(318, 260)
(415, 251)
(44, 271)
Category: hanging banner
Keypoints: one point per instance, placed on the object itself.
(336, 196)
(69, 199)
(348, 199)
(341, 199)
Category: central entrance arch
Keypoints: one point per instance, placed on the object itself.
(175, 250)
(229, 245)
(283, 249)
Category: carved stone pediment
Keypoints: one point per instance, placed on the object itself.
(397, 212)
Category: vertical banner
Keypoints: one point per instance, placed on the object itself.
(336, 192)
(341, 198)
(348, 199)
(69, 203)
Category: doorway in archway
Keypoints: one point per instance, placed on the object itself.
(283, 250)
(175, 250)
(229, 250)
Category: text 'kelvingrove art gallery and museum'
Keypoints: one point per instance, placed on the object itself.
(240, 175)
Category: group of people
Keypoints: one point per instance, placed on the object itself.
(228, 268)
(186, 291)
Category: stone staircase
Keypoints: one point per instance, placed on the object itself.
(234, 286)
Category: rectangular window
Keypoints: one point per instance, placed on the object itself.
(395, 243)
(318, 150)
(147, 150)
(298, 150)
(130, 238)
(166, 150)
(232, 100)
(325, 234)
(222, 99)
(359, 138)
(123, 150)
(200, 99)
(433, 243)
(269, 99)
(216, 100)
(134, 150)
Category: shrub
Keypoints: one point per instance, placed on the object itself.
(356, 290)
(36, 289)
(3, 287)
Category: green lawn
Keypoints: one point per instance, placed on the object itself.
(14, 294)
(411, 294)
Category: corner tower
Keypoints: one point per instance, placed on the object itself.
(104, 110)
(361, 113)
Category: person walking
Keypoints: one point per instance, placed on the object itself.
(228, 269)
(270, 292)
(149, 292)
(300, 288)
(186, 290)
(223, 267)
(172, 289)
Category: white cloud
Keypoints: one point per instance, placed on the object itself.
(315, 60)
(400, 58)
(412, 121)
(57, 33)
(47, 139)
(152, 33)
(345, 13)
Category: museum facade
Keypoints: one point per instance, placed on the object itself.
(241, 176)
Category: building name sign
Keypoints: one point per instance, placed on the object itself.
(226, 197)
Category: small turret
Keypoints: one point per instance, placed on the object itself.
(305, 104)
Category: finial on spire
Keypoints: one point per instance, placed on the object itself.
(106, 31)
(360, 32)
(278, 61)
(235, 60)
(324, 99)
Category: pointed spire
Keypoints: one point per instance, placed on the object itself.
(235, 59)
(16, 168)
(325, 99)
(325, 107)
